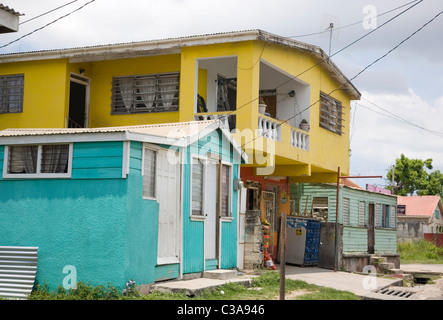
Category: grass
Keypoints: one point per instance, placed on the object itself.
(419, 252)
(264, 287)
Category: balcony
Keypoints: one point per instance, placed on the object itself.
(268, 127)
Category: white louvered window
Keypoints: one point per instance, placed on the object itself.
(345, 211)
(11, 93)
(225, 191)
(331, 114)
(197, 187)
(149, 173)
(145, 93)
(38, 161)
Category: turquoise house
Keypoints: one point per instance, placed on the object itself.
(106, 205)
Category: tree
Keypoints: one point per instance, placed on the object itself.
(413, 176)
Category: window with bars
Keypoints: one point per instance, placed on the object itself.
(11, 93)
(38, 161)
(331, 114)
(149, 173)
(145, 93)
(197, 187)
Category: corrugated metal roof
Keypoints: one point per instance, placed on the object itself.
(18, 267)
(170, 130)
(419, 205)
(10, 10)
(173, 45)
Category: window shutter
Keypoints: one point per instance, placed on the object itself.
(225, 194)
(361, 213)
(197, 187)
(149, 172)
(345, 211)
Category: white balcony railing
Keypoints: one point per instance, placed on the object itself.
(228, 120)
(268, 128)
(300, 139)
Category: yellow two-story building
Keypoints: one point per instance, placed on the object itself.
(286, 102)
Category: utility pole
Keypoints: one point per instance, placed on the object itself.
(282, 255)
(331, 26)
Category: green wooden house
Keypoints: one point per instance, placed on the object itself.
(366, 223)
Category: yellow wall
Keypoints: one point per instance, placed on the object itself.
(44, 96)
(327, 150)
(101, 74)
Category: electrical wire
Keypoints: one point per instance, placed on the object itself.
(47, 12)
(398, 118)
(364, 69)
(355, 23)
(46, 25)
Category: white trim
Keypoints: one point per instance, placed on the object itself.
(231, 186)
(155, 149)
(80, 79)
(126, 158)
(38, 175)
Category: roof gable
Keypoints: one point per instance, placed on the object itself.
(420, 205)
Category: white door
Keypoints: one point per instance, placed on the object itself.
(210, 210)
(168, 197)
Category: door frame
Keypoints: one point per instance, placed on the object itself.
(80, 79)
(371, 228)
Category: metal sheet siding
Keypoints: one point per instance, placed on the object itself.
(18, 267)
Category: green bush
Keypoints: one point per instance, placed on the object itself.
(420, 251)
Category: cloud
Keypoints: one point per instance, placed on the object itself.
(378, 136)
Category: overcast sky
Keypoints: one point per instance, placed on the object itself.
(401, 110)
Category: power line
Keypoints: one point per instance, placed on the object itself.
(47, 12)
(46, 25)
(398, 118)
(364, 69)
(353, 24)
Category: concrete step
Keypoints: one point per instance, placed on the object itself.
(395, 271)
(387, 265)
(377, 260)
(220, 274)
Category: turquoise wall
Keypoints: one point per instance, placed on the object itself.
(96, 221)
(193, 231)
(355, 237)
